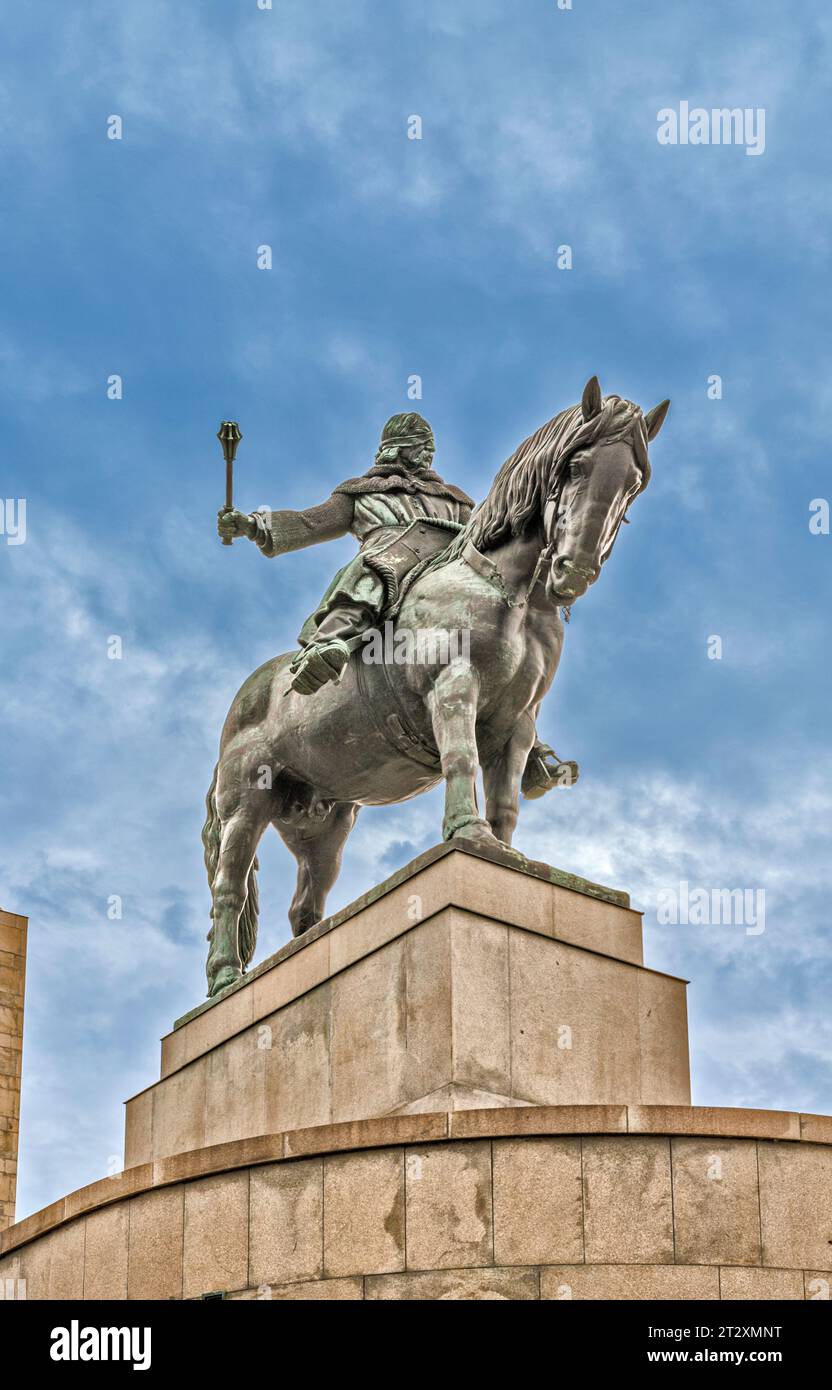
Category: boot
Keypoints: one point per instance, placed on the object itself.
(324, 659)
(545, 770)
(318, 664)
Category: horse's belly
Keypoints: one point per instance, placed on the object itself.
(332, 740)
(369, 771)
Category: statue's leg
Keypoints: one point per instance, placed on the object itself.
(453, 708)
(502, 781)
(241, 832)
(323, 658)
(317, 846)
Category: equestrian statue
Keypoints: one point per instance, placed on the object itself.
(315, 734)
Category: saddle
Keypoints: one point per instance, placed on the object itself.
(407, 555)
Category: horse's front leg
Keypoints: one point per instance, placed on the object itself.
(502, 779)
(453, 708)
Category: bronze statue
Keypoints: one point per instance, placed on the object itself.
(313, 735)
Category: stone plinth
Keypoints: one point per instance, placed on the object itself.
(13, 931)
(553, 1203)
(464, 981)
(464, 1086)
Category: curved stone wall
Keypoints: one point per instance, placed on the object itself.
(599, 1202)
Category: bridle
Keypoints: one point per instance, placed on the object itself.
(548, 551)
(547, 554)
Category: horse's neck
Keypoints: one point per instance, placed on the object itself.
(516, 559)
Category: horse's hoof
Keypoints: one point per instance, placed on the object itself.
(477, 833)
(225, 976)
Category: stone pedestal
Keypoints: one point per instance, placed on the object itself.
(466, 1085)
(462, 982)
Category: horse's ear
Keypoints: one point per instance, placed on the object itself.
(591, 399)
(654, 419)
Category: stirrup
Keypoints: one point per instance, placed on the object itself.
(545, 771)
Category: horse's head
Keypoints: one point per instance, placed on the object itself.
(598, 480)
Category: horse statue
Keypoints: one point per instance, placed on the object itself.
(388, 730)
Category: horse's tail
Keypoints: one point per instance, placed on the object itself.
(211, 837)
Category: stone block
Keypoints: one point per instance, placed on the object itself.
(428, 1010)
(215, 1247)
(297, 1064)
(816, 1128)
(11, 939)
(138, 1129)
(383, 921)
(235, 1089)
(320, 1290)
(538, 1208)
(223, 1020)
(456, 1285)
(179, 1111)
(627, 1200)
(217, 1158)
(364, 1213)
(304, 970)
(154, 1261)
(286, 1222)
(454, 1098)
(105, 1252)
(574, 1024)
(597, 925)
(449, 1220)
(664, 1071)
(383, 1132)
(369, 1035)
(12, 985)
(744, 1285)
(716, 1201)
(709, 1120)
(796, 1205)
(629, 1282)
(480, 1017)
(53, 1266)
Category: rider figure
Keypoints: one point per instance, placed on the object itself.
(403, 514)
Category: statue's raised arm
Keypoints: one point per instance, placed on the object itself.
(278, 533)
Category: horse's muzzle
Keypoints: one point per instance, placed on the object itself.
(568, 580)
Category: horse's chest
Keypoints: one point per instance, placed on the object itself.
(530, 658)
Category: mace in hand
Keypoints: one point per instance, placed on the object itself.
(229, 434)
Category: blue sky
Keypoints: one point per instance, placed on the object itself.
(394, 257)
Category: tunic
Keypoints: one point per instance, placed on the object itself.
(397, 520)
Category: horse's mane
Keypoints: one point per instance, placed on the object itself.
(525, 481)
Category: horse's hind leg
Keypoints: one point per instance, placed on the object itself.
(317, 846)
(241, 832)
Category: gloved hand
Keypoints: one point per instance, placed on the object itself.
(232, 524)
